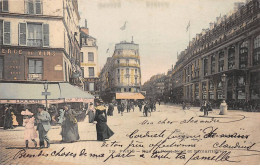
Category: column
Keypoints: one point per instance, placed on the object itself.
(250, 51)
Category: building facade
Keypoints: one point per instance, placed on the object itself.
(222, 62)
(89, 60)
(39, 41)
(122, 73)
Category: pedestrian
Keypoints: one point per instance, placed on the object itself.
(205, 108)
(15, 123)
(119, 106)
(128, 106)
(43, 119)
(146, 109)
(183, 105)
(53, 113)
(28, 122)
(69, 127)
(8, 121)
(140, 105)
(110, 109)
(90, 113)
(133, 106)
(103, 131)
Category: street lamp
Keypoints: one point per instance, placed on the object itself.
(223, 79)
(223, 105)
(46, 93)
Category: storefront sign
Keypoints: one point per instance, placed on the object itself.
(28, 52)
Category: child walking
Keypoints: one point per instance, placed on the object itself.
(29, 132)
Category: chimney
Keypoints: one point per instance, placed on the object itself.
(132, 39)
(211, 25)
(86, 23)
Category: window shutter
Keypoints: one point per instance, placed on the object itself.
(38, 7)
(46, 35)
(1, 9)
(30, 7)
(5, 5)
(1, 32)
(7, 34)
(22, 34)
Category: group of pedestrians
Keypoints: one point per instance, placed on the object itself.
(69, 124)
(9, 117)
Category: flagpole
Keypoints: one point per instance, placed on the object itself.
(189, 34)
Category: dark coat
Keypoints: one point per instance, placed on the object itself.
(103, 131)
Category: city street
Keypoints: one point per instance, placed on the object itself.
(186, 137)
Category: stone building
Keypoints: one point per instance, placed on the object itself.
(122, 72)
(89, 60)
(223, 61)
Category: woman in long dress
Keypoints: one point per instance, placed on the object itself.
(29, 132)
(69, 132)
(103, 131)
(91, 115)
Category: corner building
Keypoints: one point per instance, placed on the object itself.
(39, 41)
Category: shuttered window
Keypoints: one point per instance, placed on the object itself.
(1, 32)
(91, 71)
(22, 34)
(46, 35)
(4, 6)
(34, 34)
(1, 67)
(33, 7)
(7, 34)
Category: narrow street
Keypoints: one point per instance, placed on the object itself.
(135, 135)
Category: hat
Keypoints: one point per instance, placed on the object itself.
(40, 106)
(90, 103)
(26, 112)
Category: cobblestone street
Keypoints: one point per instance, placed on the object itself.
(168, 118)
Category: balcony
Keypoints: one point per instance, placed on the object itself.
(34, 42)
(127, 56)
(127, 65)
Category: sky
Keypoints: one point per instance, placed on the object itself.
(158, 26)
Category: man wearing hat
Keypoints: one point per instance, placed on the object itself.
(43, 119)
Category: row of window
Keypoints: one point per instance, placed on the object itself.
(127, 71)
(90, 57)
(127, 61)
(31, 6)
(30, 34)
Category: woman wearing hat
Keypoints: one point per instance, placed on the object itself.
(29, 132)
(103, 131)
(90, 113)
(69, 132)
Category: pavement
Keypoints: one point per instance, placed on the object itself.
(135, 137)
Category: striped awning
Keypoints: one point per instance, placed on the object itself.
(128, 95)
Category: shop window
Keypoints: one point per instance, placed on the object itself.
(211, 96)
(33, 7)
(1, 68)
(91, 87)
(4, 6)
(35, 69)
(256, 54)
(91, 71)
(90, 56)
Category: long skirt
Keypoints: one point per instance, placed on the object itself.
(70, 132)
(103, 131)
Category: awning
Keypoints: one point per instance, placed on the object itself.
(31, 93)
(128, 95)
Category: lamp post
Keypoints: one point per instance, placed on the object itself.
(223, 79)
(223, 105)
(46, 93)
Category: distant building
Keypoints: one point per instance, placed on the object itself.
(122, 72)
(89, 60)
